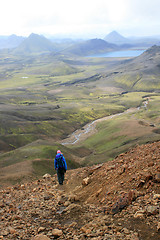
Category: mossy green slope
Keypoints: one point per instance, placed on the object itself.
(44, 99)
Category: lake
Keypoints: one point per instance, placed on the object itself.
(125, 53)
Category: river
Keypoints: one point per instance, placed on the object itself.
(89, 129)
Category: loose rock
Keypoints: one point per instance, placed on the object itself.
(57, 232)
(40, 237)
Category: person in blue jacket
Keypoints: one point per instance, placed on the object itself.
(60, 166)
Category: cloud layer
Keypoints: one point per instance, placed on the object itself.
(81, 18)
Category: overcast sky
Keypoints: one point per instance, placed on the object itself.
(80, 18)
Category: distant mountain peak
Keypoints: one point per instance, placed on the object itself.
(35, 43)
(11, 41)
(34, 35)
(114, 33)
(116, 38)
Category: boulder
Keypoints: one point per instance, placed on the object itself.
(152, 210)
(123, 201)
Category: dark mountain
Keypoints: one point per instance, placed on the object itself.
(116, 38)
(141, 73)
(147, 62)
(90, 47)
(11, 41)
(35, 44)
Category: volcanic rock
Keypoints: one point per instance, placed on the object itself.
(120, 199)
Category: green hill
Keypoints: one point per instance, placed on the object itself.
(139, 74)
(35, 44)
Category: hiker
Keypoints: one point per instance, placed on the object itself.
(61, 166)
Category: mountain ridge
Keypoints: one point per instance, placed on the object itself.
(144, 68)
(11, 41)
(114, 37)
(91, 47)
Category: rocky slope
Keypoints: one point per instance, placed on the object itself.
(114, 200)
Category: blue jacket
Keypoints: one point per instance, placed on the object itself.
(55, 161)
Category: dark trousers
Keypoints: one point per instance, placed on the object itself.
(60, 175)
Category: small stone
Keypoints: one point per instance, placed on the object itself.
(112, 167)
(61, 200)
(41, 229)
(40, 237)
(138, 215)
(134, 236)
(152, 210)
(46, 197)
(47, 175)
(12, 230)
(57, 232)
(156, 196)
(86, 230)
(75, 238)
(73, 224)
(151, 164)
(157, 177)
(73, 207)
(66, 204)
(141, 184)
(85, 181)
(4, 233)
(126, 231)
(158, 227)
(73, 198)
(98, 192)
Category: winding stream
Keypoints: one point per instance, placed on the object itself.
(89, 129)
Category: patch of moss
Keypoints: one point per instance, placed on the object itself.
(41, 167)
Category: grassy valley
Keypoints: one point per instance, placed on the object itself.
(44, 98)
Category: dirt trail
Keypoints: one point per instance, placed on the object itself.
(116, 200)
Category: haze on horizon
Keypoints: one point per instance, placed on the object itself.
(81, 19)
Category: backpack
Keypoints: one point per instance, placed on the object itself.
(60, 162)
